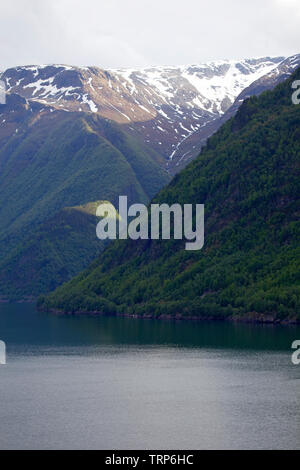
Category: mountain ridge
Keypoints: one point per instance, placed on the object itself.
(248, 178)
(57, 150)
(164, 106)
(53, 160)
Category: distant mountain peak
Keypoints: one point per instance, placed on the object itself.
(166, 106)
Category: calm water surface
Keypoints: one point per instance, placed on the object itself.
(103, 383)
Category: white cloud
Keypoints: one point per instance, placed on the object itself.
(118, 33)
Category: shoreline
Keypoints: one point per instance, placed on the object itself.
(252, 318)
(22, 301)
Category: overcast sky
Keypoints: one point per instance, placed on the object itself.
(137, 33)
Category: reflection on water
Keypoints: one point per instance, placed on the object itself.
(114, 383)
(22, 324)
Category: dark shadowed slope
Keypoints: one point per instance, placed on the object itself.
(52, 159)
(248, 178)
(51, 253)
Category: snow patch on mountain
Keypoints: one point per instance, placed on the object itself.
(167, 107)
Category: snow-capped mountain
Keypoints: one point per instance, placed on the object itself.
(210, 87)
(186, 149)
(164, 106)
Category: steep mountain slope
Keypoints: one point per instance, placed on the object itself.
(50, 162)
(185, 151)
(248, 179)
(51, 159)
(50, 254)
(73, 135)
(163, 106)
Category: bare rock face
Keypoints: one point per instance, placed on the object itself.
(172, 109)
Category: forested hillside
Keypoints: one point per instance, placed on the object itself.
(50, 160)
(248, 178)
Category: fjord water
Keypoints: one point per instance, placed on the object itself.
(117, 383)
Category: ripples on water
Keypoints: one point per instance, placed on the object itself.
(76, 382)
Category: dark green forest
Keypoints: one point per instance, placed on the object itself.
(248, 178)
(56, 161)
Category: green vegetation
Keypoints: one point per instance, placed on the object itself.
(51, 163)
(51, 254)
(248, 179)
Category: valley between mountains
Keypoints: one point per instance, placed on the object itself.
(248, 177)
(73, 136)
